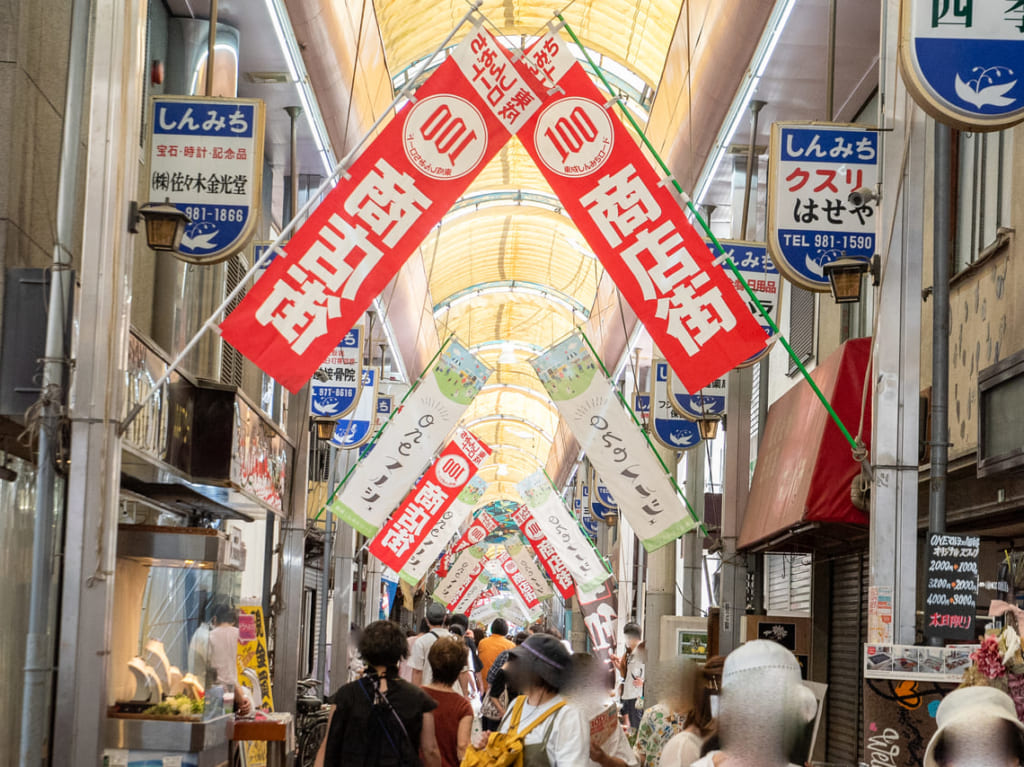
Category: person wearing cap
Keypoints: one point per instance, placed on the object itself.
(421, 674)
(977, 727)
(540, 667)
(765, 710)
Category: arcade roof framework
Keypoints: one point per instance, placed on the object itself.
(507, 270)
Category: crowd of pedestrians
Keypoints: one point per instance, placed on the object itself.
(466, 700)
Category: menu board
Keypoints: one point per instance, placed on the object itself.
(952, 586)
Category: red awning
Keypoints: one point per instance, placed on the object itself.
(805, 466)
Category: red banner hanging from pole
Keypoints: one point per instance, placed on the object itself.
(426, 503)
(518, 580)
(391, 196)
(635, 224)
(482, 526)
(552, 563)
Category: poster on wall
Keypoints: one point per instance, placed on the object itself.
(811, 219)
(951, 588)
(206, 159)
(962, 60)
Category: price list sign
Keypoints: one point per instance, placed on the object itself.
(952, 592)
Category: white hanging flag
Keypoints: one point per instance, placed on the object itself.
(526, 561)
(562, 530)
(612, 441)
(463, 573)
(380, 481)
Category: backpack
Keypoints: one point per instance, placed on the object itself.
(505, 749)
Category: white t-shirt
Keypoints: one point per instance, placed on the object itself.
(681, 750)
(418, 661)
(708, 760)
(617, 743)
(569, 743)
(633, 683)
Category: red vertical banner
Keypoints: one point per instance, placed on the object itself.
(482, 526)
(390, 197)
(635, 224)
(518, 580)
(425, 504)
(552, 563)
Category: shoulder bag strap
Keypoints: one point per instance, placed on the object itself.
(513, 714)
(541, 718)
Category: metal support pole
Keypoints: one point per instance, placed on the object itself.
(37, 690)
(897, 352)
(692, 549)
(830, 64)
(325, 583)
(112, 120)
(940, 329)
(211, 48)
(755, 110)
(661, 583)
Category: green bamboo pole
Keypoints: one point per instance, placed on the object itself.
(711, 235)
(654, 449)
(376, 436)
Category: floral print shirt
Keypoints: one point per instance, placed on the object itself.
(658, 724)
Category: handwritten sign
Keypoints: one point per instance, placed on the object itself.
(951, 595)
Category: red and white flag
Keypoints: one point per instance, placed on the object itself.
(390, 197)
(481, 526)
(518, 580)
(634, 223)
(549, 559)
(426, 503)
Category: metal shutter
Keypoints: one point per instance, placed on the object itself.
(848, 631)
(801, 324)
(788, 579)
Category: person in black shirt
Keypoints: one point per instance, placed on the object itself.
(380, 720)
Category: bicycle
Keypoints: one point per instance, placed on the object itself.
(310, 721)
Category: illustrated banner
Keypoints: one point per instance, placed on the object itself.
(443, 531)
(390, 197)
(562, 530)
(545, 551)
(482, 526)
(527, 564)
(426, 503)
(430, 412)
(520, 583)
(463, 572)
(615, 446)
(634, 223)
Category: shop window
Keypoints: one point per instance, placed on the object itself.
(1001, 416)
(983, 175)
(801, 325)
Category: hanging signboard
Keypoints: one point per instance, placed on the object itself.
(520, 583)
(527, 564)
(426, 503)
(642, 407)
(460, 579)
(634, 223)
(600, 617)
(615, 446)
(355, 428)
(669, 427)
(443, 531)
(546, 554)
(811, 221)
(561, 529)
(481, 526)
(962, 60)
(951, 591)
(708, 401)
(752, 261)
(429, 414)
(206, 159)
(337, 393)
(392, 194)
(602, 502)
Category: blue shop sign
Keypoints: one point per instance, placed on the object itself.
(336, 387)
(962, 60)
(354, 429)
(811, 220)
(669, 428)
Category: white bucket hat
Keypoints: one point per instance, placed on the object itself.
(971, 705)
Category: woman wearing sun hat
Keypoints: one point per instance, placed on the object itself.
(977, 727)
(540, 668)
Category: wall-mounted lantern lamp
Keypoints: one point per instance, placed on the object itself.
(165, 224)
(844, 277)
